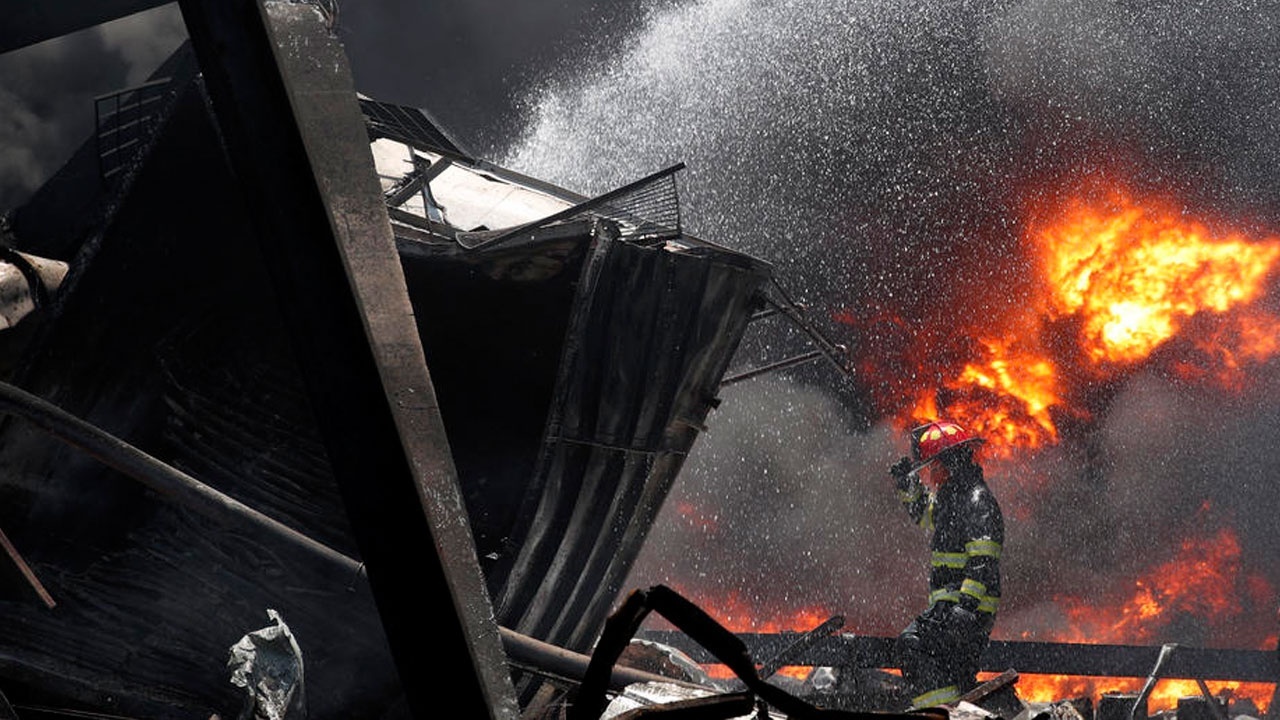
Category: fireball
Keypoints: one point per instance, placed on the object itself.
(1123, 278)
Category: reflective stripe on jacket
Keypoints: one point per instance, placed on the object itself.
(968, 538)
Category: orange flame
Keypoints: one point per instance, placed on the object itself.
(1164, 694)
(1121, 279)
(1204, 581)
(1117, 279)
(1222, 355)
(1201, 581)
(1005, 397)
(739, 615)
(1135, 273)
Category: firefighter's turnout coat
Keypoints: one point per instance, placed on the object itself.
(945, 643)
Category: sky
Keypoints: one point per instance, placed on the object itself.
(882, 155)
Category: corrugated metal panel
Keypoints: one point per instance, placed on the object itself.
(651, 333)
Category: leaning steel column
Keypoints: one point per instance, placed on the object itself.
(285, 103)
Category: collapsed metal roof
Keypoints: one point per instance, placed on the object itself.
(459, 386)
(468, 388)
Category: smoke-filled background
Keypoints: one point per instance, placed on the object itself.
(891, 158)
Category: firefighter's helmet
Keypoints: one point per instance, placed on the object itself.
(933, 439)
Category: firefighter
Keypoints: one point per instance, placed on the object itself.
(942, 647)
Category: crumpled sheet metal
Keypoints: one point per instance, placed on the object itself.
(267, 663)
(639, 699)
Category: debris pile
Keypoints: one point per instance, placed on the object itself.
(846, 676)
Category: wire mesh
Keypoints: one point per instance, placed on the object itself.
(647, 212)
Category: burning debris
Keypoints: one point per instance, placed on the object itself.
(1124, 328)
(567, 434)
(841, 675)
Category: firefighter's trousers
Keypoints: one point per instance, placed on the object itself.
(940, 658)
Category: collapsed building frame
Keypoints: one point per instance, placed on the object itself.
(346, 259)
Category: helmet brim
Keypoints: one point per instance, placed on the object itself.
(973, 441)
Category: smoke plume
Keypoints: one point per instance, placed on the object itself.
(882, 155)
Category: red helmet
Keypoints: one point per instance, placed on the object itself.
(931, 440)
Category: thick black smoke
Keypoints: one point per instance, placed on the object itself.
(881, 154)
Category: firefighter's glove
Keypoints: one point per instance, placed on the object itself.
(901, 472)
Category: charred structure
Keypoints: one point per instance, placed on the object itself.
(574, 347)
(358, 375)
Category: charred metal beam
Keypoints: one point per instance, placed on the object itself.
(431, 226)
(1025, 657)
(1141, 702)
(1132, 661)
(772, 367)
(797, 648)
(162, 478)
(838, 354)
(26, 570)
(1219, 712)
(423, 173)
(990, 687)
(281, 90)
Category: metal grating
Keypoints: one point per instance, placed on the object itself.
(646, 211)
(410, 126)
(125, 120)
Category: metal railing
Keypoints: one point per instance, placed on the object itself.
(124, 120)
